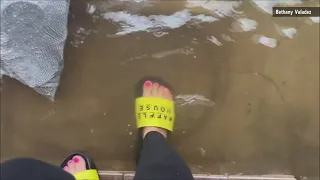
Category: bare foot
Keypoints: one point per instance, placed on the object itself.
(76, 165)
(155, 90)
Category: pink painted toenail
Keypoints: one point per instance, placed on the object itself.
(69, 162)
(156, 84)
(75, 160)
(147, 83)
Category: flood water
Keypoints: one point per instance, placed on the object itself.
(243, 107)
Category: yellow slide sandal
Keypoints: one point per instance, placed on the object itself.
(154, 111)
(90, 174)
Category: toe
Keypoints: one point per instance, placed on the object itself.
(71, 167)
(147, 88)
(66, 168)
(79, 163)
(155, 90)
(167, 94)
(161, 91)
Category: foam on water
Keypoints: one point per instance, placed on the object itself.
(130, 23)
(133, 23)
(197, 11)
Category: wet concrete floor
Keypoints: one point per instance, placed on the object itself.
(266, 114)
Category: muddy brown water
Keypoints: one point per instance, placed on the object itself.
(266, 114)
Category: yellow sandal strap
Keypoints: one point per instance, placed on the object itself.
(156, 112)
(91, 174)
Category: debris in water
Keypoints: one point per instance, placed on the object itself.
(91, 130)
(80, 35)
(80, 30)
(129, 125)
(214, 40)
(105, 113)
(247, 24)
(269, 42)
(130, 133)
(227, 38)
(289, 32)
(315, 19)
(202, 152)
(91, 8)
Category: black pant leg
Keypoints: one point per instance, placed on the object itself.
(158, 160)
(26, 168)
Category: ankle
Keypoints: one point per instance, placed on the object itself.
(146, 130)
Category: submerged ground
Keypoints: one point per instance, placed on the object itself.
(265, 117)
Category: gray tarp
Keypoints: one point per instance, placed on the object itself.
(33, 34)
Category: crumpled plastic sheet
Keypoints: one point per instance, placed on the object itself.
(33, 35)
